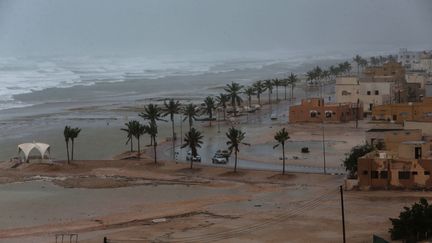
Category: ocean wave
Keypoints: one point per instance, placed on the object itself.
(20, 75)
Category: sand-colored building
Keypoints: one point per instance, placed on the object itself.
(389, 69)
(409, 167)
(390, 138)
(376, 86)
(411, 111)
(315, 110)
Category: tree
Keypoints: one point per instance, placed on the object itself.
(210, 105)
(277, 83)
(358, 59)
(138, 130)
(152, 113)
(310, 76)
(281, 137)
(151, 129)
(233, 91)
(292, 80)
(334, 71)
(350, 162)
(249, 91)
(190, 113)
(193, 140)
(414, 224)
(67, 135)
(222, 99)
(374, 61)
(171, 109)
(235, 139)
(74, 132)
(129, 131)
(285, 84)
(268, 84)
(259, 89)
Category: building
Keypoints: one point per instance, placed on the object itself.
(314, 110)
(408, 58)
(412, 111)
(389, 138)
(391, 69)
(407, 168)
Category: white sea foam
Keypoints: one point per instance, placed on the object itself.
(20, 75)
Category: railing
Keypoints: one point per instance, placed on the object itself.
(66, 238)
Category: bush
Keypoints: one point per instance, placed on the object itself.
(350, 162)
(414, 224)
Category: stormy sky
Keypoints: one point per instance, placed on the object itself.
(168, 26)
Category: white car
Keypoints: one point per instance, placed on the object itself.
(189, 157)
(219, 159)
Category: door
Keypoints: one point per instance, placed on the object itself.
(418, 152)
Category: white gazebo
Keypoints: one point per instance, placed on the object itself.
(26, 148)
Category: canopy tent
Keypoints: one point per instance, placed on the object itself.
(26, 148)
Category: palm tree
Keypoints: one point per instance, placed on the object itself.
(334, 71)
(152, 113)
(222, 99)
(310, 75)
(292, 80)
(249, 91)
(172, 108)
(67, 135)
(74, 132)
(190, 113)
(210, 105)
(281, 137)
(138, 130)
(363, 63)
(357, 59)
(193, 140)
(268, 84)
(277, 82)
(233, 91)
(259, 89)
(285, 84)
(235, 139)
(151, 129)
(130, 131)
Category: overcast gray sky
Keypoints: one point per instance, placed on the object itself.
(164, 26)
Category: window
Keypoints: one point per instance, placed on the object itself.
(328, 114)
(376, 92)
(365, 172)
(368, 93)
(374, 174)
(313, 114)
(415, 173)
(384, 174)
(404, 175)
(426, 172)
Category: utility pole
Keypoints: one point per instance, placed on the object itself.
(323, 136)
(357, 111)
(343, 213)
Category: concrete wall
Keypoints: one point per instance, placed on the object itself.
(314, 110)
(417, 111)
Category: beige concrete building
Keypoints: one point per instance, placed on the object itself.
(408, 168)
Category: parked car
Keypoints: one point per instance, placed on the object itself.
(219, 159)
(196, 158)
(273, 116)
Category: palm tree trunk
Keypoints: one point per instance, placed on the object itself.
(211, 117)
(67, 152)
(235, 162)
(285, 92)
(72, 158)
(173, 139)
(277, 93)
(269, 97)
(259, 99)
(283, 159)
(292, 92)
(131, 143)
(224, 113)
(191, 163)
(154, 150)
(139, 152)
(250, 101)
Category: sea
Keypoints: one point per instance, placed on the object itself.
(22, 75)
